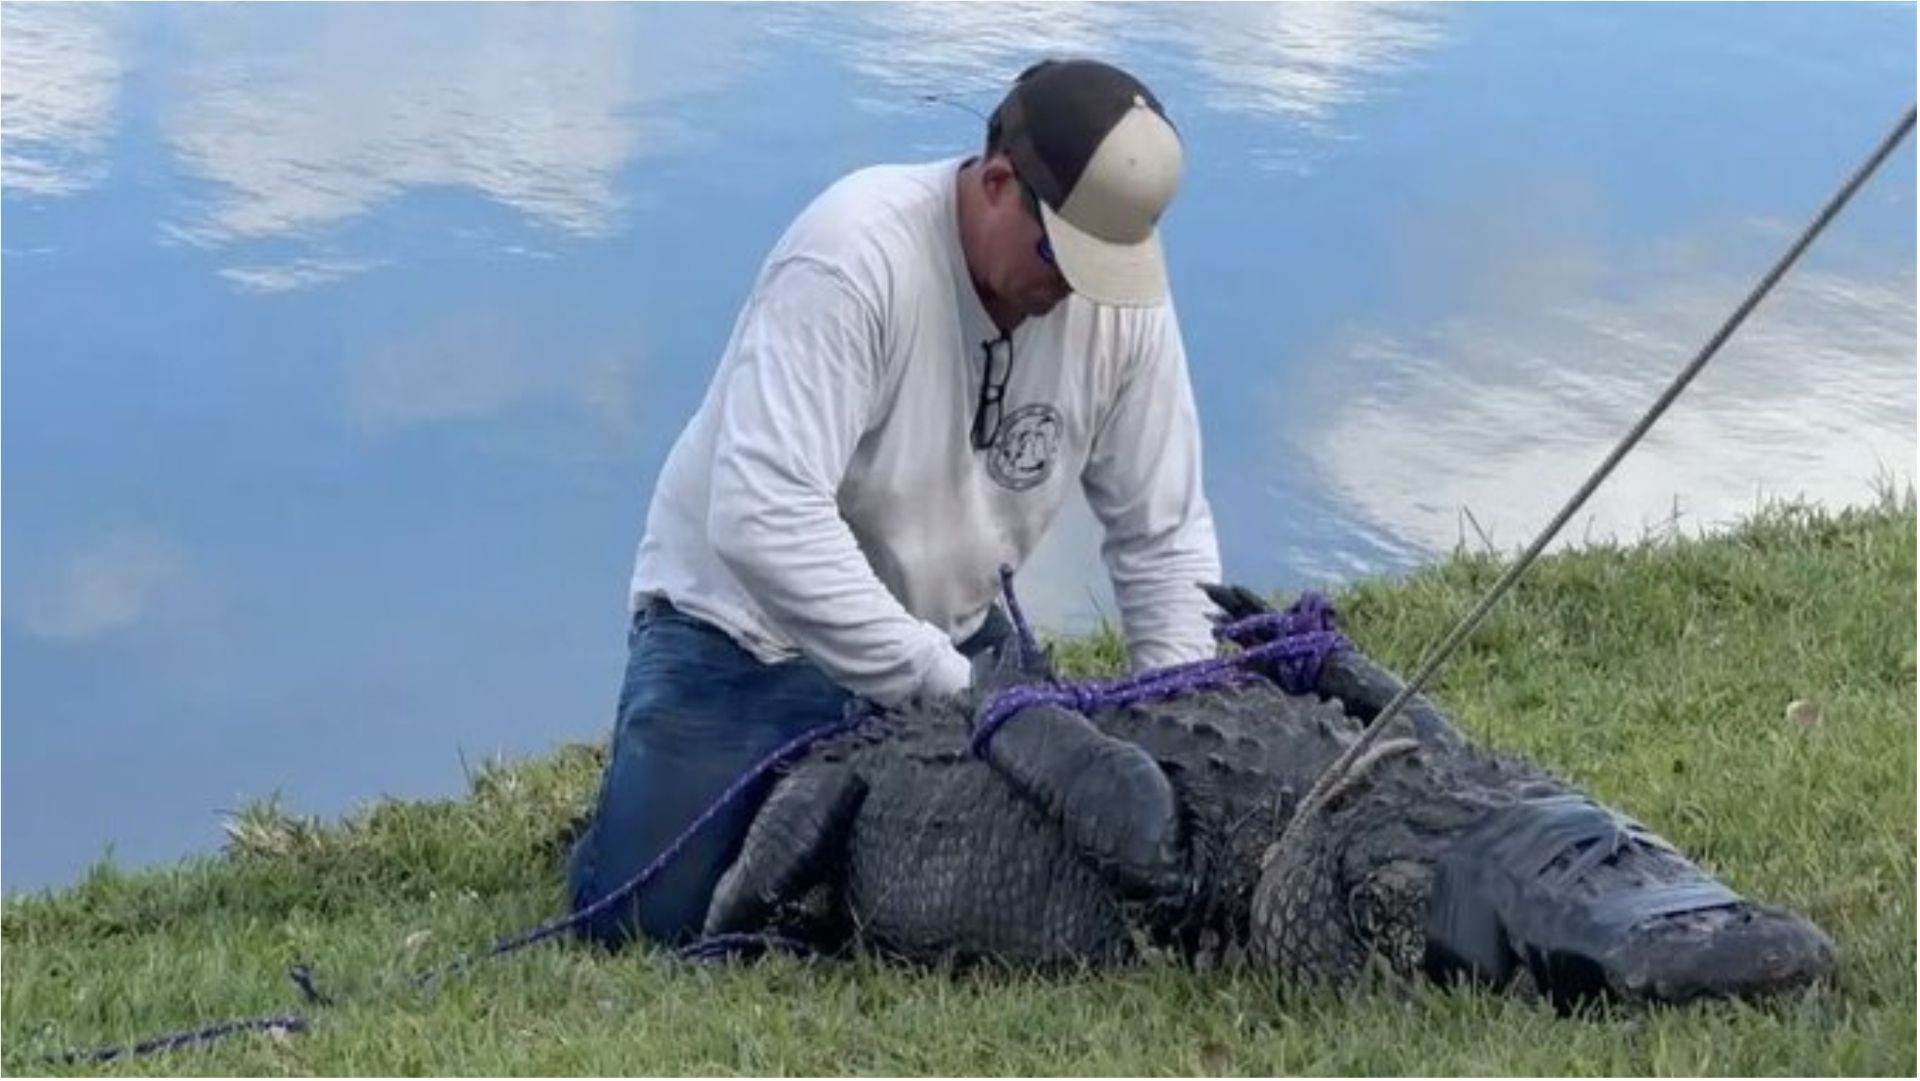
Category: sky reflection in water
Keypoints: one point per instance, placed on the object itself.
(342, 343)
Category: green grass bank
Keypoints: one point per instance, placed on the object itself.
(1656, 676)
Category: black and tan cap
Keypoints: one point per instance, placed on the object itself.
(1096, 147)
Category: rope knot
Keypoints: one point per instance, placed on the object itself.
(1311, 612)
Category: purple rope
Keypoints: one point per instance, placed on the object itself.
(1029, 649)
(1295, 643)
(783, 753)
(1311, 612)
(303, 976)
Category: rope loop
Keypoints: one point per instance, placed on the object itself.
(1288, 647)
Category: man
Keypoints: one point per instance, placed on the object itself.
(930, 357)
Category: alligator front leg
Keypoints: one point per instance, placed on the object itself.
(1361, 685)
(797, 836)
(1365, 688)
(1108, 796)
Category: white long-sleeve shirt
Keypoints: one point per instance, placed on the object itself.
(826, 499)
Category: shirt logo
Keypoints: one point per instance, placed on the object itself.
(1025, 446)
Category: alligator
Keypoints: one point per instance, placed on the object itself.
(1150, 829)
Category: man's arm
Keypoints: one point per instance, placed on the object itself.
(795, 405)
(1143, 481)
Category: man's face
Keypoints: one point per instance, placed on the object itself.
(1020, 268)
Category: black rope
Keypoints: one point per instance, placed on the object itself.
(302, 975)
(292, 1022)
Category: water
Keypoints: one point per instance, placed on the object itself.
(342, 342)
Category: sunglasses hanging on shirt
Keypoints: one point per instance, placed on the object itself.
(993, 390)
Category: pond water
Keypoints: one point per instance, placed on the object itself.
(342, 342)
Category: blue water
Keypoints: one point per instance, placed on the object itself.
(342, 342)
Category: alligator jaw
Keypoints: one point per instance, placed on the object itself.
(1746, 951)
(1594, 905)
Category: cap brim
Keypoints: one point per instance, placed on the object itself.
(1127, 275)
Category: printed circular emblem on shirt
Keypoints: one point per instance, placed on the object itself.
(1025, 446)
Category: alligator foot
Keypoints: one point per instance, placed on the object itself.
(741, 947)
(797, 837)
(1108, 795)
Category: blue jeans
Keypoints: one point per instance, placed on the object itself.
(696, 712)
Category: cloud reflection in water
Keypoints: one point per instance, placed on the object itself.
(1502, 417)
(539, 109)
(61, 90)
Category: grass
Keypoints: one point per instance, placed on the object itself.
(1656, 676)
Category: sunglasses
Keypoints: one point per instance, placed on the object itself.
(1045, 246)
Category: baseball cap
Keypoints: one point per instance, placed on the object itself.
(1094, 144)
